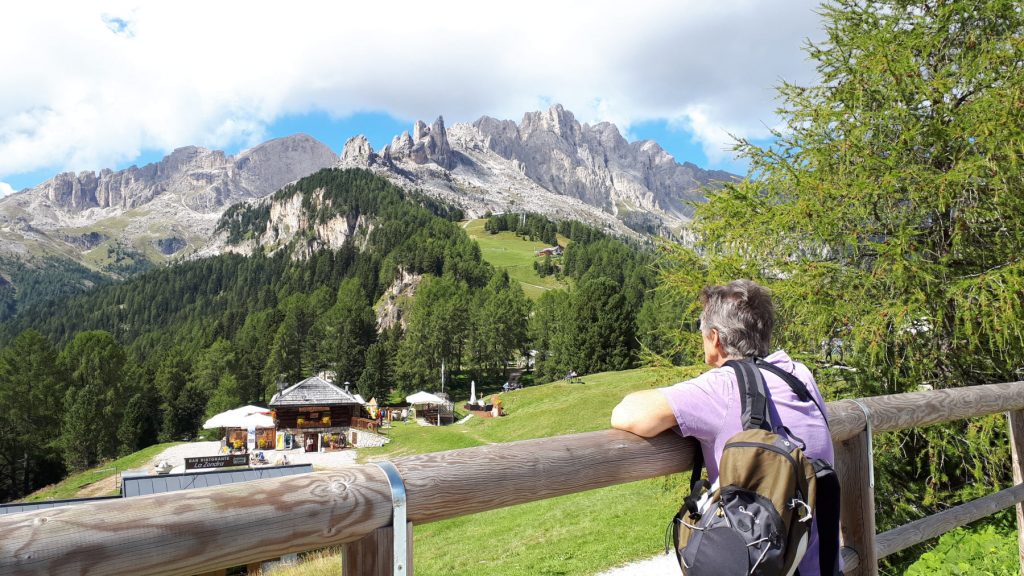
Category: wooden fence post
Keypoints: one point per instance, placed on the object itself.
(1016, 426)
(858, 503)
(372, 555)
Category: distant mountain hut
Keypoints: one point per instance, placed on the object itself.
(317, 415)
(555, 250)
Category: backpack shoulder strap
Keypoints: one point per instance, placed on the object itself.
(795, 384)
(826, 510)
(753, 395)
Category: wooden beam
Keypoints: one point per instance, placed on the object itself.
(1016, 431)
(372, 555)
(857, 516)
(850, 560)
(458, 482)
(917, 409)
(939, 523)
(200, 530)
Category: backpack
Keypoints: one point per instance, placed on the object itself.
(756, 520)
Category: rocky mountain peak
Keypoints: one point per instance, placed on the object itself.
(357, 149)
(557, 120)
(269, 166)
(206, 180)
(419, 131)
(426, 144)
(596, 164)
(430, 144)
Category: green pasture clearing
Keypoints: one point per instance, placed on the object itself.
(509, 252)
(579, 534)
(70, 486)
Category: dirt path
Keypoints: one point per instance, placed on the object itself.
(662, 564)
(174, 454)
(104, 487)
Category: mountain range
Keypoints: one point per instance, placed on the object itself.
(548, 163)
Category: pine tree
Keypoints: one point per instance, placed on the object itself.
(94, 360)
(346, 331)
(888, 218)
(82, 430)
(140, 425)
(30, 408)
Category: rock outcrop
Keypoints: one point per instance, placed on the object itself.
(170, 205)
(205, 180)
(428, 144)
(357, 149)
(596, 164)
(389, 307)
(548, 163)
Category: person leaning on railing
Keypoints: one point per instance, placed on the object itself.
(736, 323)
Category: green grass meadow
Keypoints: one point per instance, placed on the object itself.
(507, 251)
(577, 534)
(70, 486)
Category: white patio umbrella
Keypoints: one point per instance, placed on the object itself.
(472, 391)
(239, 418)
(257, 421)
(424, 398)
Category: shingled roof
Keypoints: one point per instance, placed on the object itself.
(312, 391)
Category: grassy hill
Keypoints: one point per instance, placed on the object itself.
(73, 486)
(507, 251)
(571, 535)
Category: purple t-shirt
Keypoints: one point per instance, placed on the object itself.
(708, 409)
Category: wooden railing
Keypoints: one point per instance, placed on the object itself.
(365, 424)
(202, 530)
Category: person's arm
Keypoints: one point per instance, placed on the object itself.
(645, 413)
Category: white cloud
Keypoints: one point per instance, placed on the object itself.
(5, 189)
(98, 82)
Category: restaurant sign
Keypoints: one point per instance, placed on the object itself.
(221, 461)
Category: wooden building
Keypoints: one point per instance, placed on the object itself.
(316, 413)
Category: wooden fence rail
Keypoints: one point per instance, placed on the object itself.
(202, 530)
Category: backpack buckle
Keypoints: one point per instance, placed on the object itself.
(692, 501)
(794, 503)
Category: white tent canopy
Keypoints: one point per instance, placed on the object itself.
(244, 417)
(425, 398)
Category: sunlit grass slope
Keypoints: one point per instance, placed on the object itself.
(70, 486)
(577, 534)
(507, 251)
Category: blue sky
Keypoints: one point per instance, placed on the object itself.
(111, 83)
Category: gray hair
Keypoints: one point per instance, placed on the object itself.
(743, 313)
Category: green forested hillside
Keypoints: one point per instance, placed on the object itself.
(26, 282)
(122, 366)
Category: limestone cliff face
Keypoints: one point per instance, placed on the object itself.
(596, 164)
(172, 205)
(428, 144)
(389, 307)
(290, 225)
(548, 163)
(204, 180)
